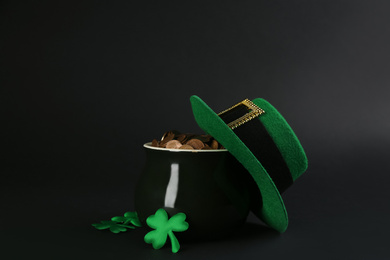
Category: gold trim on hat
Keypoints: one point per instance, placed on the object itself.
(255, 112)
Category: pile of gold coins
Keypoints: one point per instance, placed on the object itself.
(176, 140)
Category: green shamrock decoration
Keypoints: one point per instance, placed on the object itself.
(120, 224)
(128, 217)
(165, 227)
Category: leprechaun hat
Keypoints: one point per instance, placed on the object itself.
(258, 136)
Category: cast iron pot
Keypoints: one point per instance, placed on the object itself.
(209, 186)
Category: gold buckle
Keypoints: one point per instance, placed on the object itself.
(255, 112)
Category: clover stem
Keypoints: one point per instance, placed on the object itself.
(174, 242)
(134, 222)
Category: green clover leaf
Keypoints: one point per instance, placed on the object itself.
(128, 217)
(164, 227)
(112, 225)
(120, 223)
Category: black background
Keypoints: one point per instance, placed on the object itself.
(85, 84)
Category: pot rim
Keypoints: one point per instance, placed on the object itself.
(149, 146)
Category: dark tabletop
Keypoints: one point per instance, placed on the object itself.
(85, 84)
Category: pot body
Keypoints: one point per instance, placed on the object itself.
(209, 186)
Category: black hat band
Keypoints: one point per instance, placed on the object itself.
(256, 137)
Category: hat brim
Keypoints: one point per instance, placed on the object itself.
(272, 210)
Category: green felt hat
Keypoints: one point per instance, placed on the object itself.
(257, 135)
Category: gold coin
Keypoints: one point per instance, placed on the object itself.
(203, 138)
(190, 136)
(169, 134)
(196, 143)
(173, 144)
(164, 135)
(167, 138)
(155, 143)
(214, 144)
(206, 147)
(181, 138)
(186, 146)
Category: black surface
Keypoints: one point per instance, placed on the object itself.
(85, 84)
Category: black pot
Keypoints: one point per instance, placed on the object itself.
(209, 186)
